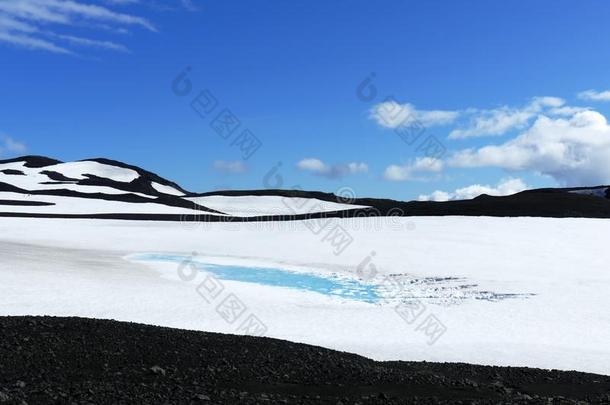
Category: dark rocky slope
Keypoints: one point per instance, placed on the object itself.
(46, 360)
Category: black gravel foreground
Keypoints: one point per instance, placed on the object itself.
(79, 361)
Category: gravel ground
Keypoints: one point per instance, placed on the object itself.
(73, 360)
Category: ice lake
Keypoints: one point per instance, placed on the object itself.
(434, 290)
(330, 285)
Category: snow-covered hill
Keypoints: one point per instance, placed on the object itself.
(36, 185)
(36, 173)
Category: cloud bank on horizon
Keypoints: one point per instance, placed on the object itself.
(570, 144)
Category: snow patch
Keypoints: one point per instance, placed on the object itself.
(250, 206)
(77, 170)
(166, 189)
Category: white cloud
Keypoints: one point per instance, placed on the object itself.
(312, 164)
(391, 114)
(574, 151)
(31, 43)
(411, 171)
(504, 187)
(233, 167)
(320, 168)
(33, 24)
(435, 196)
(500, 120)
(9, 145)
(595, 95)
(93, 43)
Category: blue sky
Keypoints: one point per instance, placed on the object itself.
(514, 91)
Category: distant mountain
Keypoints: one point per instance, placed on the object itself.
(37, 186)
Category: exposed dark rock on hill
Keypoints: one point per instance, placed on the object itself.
(25, 203)
(49, 360)
(13, 172)
(58, 176)
(33, 161)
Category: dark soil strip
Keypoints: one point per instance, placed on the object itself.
(72, 360)
(25, 203)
